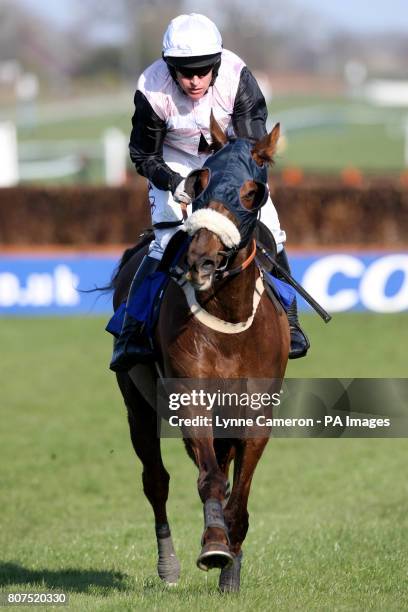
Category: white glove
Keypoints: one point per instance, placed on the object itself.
(180, 195)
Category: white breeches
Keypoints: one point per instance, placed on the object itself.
(164, 209)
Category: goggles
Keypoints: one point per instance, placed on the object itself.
(189, 73)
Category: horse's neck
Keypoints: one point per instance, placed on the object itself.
(232, 298)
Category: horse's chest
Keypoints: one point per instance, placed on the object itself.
(193, 350)
(204, 353)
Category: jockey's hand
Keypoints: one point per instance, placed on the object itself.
(180, 194)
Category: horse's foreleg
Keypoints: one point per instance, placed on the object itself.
(211, 488)
(224, 451)
(143, 432)
(236, 514)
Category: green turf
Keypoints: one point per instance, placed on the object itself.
(365, 345)
(79, 128)
(335, 148)
(328, 518)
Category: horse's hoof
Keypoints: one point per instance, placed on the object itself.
(169, 570)
(168, 566)
(214, 554)
(230, 577)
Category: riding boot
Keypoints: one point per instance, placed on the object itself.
(299, 342)
(133, 346)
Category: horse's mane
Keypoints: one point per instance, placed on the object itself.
(145, 238)
(128, 254)
(123, 261)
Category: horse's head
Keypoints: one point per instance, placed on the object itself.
(227, 194)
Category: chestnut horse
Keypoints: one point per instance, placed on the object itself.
(189, 348)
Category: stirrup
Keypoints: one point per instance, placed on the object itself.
(130, 348)
(299, 342)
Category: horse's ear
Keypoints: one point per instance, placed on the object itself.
(219, 139)
(196, 182)
(265, 149)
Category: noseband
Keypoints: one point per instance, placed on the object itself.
(222, 272)
(227, 232)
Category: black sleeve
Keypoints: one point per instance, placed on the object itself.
(250, 112)
(146, 146)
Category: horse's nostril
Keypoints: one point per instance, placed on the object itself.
(208, 265)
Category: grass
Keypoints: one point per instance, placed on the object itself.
(365, 345)
(328, 518)
(335, 148)
(79, 128)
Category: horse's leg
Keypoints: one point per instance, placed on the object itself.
(211, 488)
(248, 453)
(143, 432)
(224, 451)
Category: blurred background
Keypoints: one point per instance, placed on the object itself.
(334, 74)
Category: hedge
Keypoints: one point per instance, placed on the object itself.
(319, 214)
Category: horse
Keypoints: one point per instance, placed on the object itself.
(222, 282)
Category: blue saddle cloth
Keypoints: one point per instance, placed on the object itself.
(145, 305)
(283, 291)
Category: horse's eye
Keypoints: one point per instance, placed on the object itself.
(251, 194)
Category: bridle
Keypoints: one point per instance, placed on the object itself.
(230, 238)
(222, 272)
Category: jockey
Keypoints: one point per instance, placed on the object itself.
(171, 137)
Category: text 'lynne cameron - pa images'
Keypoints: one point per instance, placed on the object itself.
(324, 407)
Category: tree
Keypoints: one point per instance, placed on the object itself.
(142, 24)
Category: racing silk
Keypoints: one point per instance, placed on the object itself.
(168, 126)
(187, 119)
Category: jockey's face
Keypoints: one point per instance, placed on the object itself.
(194, 85)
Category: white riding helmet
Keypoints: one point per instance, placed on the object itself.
(192, 41)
